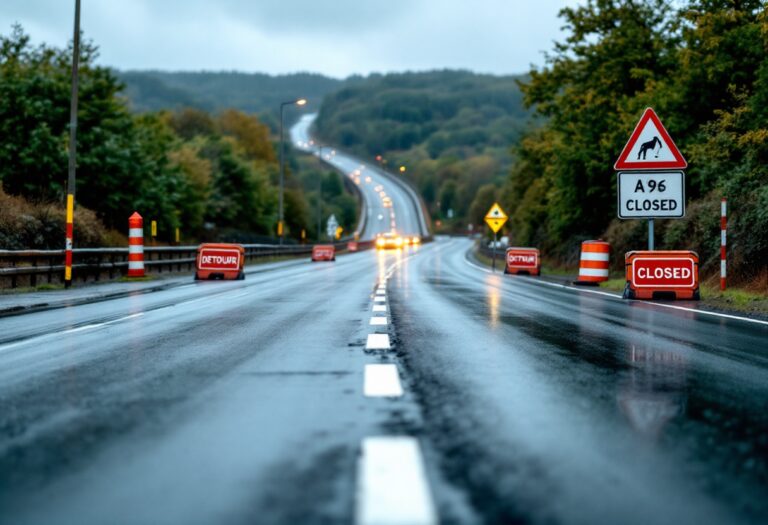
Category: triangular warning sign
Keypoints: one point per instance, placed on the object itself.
(650, 147)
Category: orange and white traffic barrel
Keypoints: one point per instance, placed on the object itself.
(135, 245)
(594, 262)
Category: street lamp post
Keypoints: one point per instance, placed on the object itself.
(280, 217)
(72, 152)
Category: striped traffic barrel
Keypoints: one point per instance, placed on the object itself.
(135, 245)
(593, 266)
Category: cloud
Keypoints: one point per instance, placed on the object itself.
(336, 38)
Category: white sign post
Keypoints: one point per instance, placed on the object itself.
(651, 195)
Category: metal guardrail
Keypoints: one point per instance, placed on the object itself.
(22, 268)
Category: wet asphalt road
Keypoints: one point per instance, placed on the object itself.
(243, 402)
(250, 401)
(547, 405)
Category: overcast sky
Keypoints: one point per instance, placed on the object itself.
(334, 37)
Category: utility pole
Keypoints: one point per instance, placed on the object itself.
(280, 217)
(72, 152)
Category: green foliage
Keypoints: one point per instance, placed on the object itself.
(703, 66)
(451, 129)
(213, 92)
(211, 176)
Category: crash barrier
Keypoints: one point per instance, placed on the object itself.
(323, 252)
(662, 275)
(220, 261)
(522, 261)
(135, 245)
(352, 246)
(25, 268)
(594, 262)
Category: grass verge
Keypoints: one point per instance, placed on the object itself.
(733, 300)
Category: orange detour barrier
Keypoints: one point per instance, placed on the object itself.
(593, 265)
(220, 261)
(352, 246)
(523, 260)
(662, 275)
(323, 252)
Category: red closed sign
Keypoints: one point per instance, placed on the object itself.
(219, 259)
(662, 274)
(522, 260)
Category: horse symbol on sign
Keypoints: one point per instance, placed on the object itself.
(650, 145)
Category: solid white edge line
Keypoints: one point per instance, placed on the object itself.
(83, 328)
(377, 342)
(616, 296)
(392, 487)
(382, 380)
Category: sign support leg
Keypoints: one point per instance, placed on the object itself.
(493, 264)
(650, 234)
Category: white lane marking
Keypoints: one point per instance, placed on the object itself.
(379, 307)
(381, 292)
(617, 296)
(378, 321)
(377, 342)
(382, 381)
(380, 299)
(392, 487)
(38, 338)
(83, 328)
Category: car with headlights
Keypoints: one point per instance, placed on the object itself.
(389, 241)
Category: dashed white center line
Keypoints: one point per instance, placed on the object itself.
(381, 292)
(378, 321)
(392, 488)
(380, 299)
(377, 342)
(382, 380)
(379, 307)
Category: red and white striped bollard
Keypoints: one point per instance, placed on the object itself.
(135, 245)
(723, 227)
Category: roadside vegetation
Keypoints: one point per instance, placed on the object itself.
(212, 175)
(703, 65)
(451, 130)
(544, 144)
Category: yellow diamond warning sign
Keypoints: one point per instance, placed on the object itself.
(495, 218)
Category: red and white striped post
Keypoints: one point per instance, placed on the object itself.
(135, 245)
(723, 227)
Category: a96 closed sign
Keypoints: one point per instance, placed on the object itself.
(651, 195)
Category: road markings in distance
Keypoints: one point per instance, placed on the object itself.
(378, 321)
(377, 342)
(382, 380)
(391, 484)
